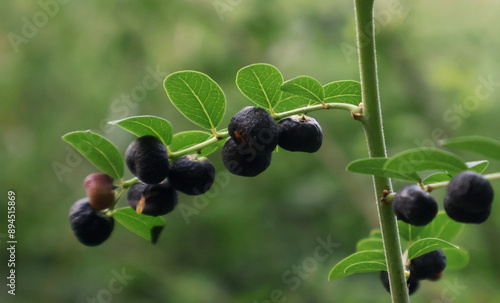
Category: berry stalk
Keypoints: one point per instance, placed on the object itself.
(372, 123)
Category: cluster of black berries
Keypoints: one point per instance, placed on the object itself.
(468, 200)
(254, 135)
(429, 266)
(147, 158)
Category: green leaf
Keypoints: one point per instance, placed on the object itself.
(346, 91)
(261, 84)
(423, 246)
(442, 227)
(306, 87)
(437, 177)
(421, 159)
(364, 261)
(375, 166)
(370, 244)
(408, 231)
(456, 258)
(145, 226)
(147, 125)
(185, 140)
(290, 102)
(478, 166)
(376, 233)
(481, 145)
(197, 97)
(98, 150)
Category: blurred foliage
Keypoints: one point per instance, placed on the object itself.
(248, 236)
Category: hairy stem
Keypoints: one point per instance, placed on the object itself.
(304, 110)
(372, 122)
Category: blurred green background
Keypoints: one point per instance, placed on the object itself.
(71, 68)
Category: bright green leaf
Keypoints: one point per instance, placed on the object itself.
(364, 261)
(375, 166)
(370, 244)
(306, 87)
(409, 232)
(456, 258)
(197, 97)
(437, 177)
(290, 102)
(442, 227)
(187, 139)
(478, 166)
(423, 246)
(481, 145)
(98, 150)
(147, 125)
(422, 159)
(376, 233)
(145, 226)
(346, 91)
(261, 84)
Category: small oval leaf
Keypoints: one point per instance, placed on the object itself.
(147, 125)
(375, 167)
(364, 261)
(99, 151)
(481, 145)
(437, 177)
(290, 102)
(306, 87)
(197, 97)
(442, 227)
(261, 84)
(145, 226)
(478, 166)
(376, 233)
(409, 232)
(188, 139)
(347, 91)
(370, 244)
(456, 258)
(423, 246)
(422, 159)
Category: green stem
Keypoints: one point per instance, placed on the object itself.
(303, 110)
(196, 148)
(372, 122)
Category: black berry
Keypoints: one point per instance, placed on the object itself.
(469, 198)
(89, 226)
(414, 206)
(427, 266)
(147, 159)
(412, 283)
(300, 134)
(152, 199)
(244, 162)
(99, 188)
(254, 128)
(191, 176)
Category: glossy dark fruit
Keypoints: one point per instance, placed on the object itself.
(152, 199)
(191, 175)
(469, 198)
(90, 227)
(300, 134)
(244, 162)
(147, 159)
(414, 206)
(254, 128)
(412, 283)
(427, 266)
(99, 188)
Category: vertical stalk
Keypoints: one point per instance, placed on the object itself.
(372, 123)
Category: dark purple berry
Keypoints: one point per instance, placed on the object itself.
(90, 227)
(152, 199)
(147, 159)
(303, 134)
(414, 206)
(244, 162)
